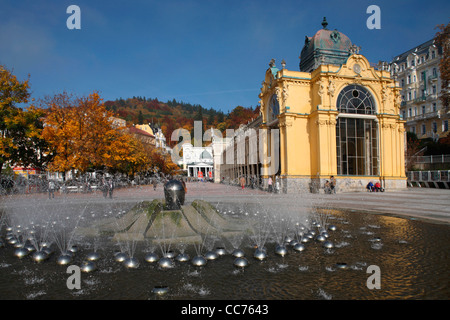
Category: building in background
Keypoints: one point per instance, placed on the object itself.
(156, 132)
(338, 116)
(118, 122)
(240, 154)
(143, 135)
(417, 72)
(198, 162)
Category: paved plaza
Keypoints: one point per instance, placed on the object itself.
(418, 203)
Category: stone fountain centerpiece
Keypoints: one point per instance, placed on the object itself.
(168, 221)
(174, 192)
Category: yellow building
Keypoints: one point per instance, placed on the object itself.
(338, 116)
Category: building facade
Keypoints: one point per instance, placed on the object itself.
(159, 138)
(198, 162)
(338, 116)
(417, 72)
(240, 155)
(143, 135)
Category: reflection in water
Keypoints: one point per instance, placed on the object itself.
(413, 257)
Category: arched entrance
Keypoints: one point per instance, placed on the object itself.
(357, 133)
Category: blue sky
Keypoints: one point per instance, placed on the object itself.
(213, 53)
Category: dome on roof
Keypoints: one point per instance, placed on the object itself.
(205, 155)
(325, 47)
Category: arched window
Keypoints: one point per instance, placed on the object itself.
(355, 99)
(356, 133)
(274, 108)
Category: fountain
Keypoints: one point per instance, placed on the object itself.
(93, 256)
(88, 266)
(220, 251)
(64, 259)
(199, 261)
(328, 245)
(213, 238)
(131, 263)
(21, 252)
(182, 257)
(160, 290)
(174, 193)
(40, 256)
(120, 256)
(241, 262)
(238, 253)
(151, 257)
(260, 254)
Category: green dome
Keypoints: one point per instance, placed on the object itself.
(325, 47)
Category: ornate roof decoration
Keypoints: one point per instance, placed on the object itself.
(325, 47)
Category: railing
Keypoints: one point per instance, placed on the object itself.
(429, 179)
(420, 99)
(423, 116)
(442, 158)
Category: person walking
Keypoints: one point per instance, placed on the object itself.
(270, 183)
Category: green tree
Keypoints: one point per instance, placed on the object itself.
(211, 119)
(199, 115)
(140, 117)
(220, 117)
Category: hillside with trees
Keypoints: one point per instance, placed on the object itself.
(172, 115)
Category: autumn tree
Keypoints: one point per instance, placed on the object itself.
(442, 39)
(162, 162)
(83, 136)
(57, 131)
(21, 142)
(31, 148)
(126, 154)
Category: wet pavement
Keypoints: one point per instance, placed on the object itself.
(418, 203)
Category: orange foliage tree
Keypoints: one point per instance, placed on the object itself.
(83, 136)
(21, 142)
(163, 163)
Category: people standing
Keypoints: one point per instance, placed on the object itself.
(155, 183)
(51, 189)
(104, 187)
(242, 182)
(110, 187)
(270, 183)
